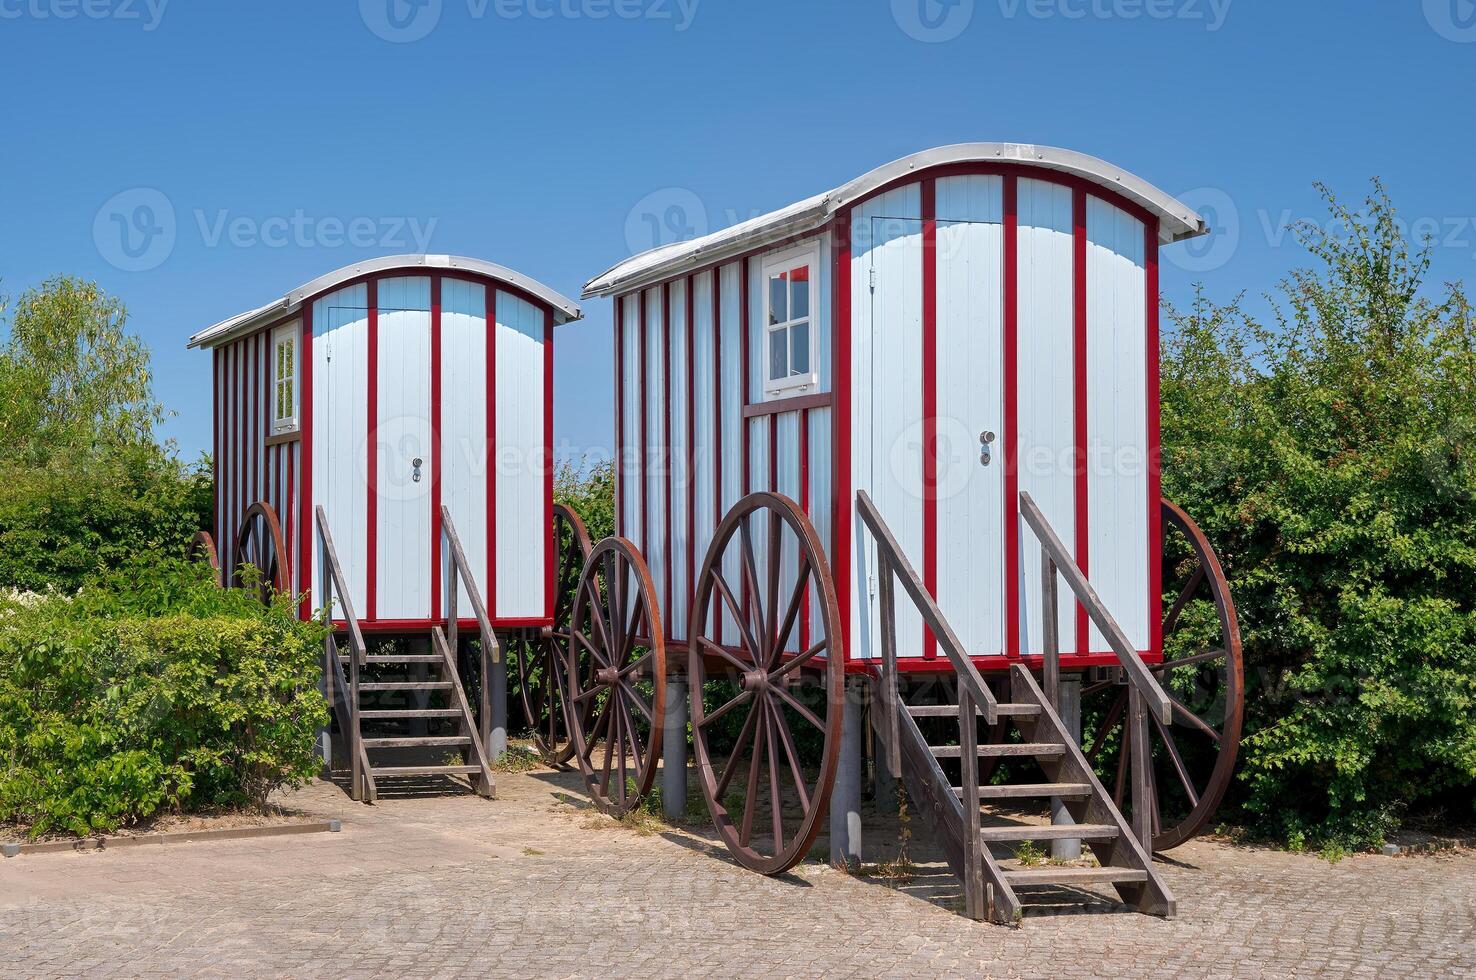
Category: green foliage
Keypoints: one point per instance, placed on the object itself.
(83, 486)
(71, 378)
(589, 490)
(1331, 460)
(61, 524)
(152, 690)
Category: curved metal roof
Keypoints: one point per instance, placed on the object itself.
(565, 309)
(1177, 220)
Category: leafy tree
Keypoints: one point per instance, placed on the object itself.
(1331, 457)
(71, 378)
(83, 484)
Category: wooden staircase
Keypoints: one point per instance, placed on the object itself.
(398, 702)
(955, 808)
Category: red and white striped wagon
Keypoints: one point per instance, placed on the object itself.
(938, 381)
(383, 447)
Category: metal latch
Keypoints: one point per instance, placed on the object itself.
(416, 462)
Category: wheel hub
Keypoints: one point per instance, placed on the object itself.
(608, 676)
(754, 680)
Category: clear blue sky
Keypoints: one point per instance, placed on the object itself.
(543, 135)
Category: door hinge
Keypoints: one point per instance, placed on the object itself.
(873, 279)
(871, 584)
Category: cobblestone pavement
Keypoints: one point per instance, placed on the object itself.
(534, 884)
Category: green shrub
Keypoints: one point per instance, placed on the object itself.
(1331, 460)
(152, 690)
(62, 524)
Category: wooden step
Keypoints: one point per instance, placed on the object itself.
(1070, 831)
(397, 658)
(407, 686)
(424, 770)
(392, 713)
(951, 710)
(1003, 749)
(1025, 791)
(1074, 876)
(415, 741)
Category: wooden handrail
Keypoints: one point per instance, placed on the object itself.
(459, 570)
(894, 562)
(1054, 553)
(335, 583)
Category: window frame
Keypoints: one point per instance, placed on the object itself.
(290, 424)
(807, 255)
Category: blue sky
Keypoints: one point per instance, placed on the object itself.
(289, 138)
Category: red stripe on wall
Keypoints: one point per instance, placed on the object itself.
(1011, 413)
(548, 462)
(1079, 398)
(1155, 490)
(305, 460)
(436, 609)
(930, 401)
(371, 447)
(620, 491)
(840, 423)
(691, 474)
(669, 550)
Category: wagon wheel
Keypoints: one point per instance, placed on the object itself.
(616, 683)
(768, 621)
(260, 544)
(1193, 755)
(202, 548)
(541, 654)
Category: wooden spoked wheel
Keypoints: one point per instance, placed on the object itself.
(260, 544)
(1203, 673)
(616, 685)
(202, 548)
(767, 661)
(541, 653)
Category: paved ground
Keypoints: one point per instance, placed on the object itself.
(534, 884)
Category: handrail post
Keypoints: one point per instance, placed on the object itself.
(1050, 630)
(1141, 759)
(890, 696)
(968, 739)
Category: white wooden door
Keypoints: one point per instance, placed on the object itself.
(403, 446)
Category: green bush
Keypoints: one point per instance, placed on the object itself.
(152, 690)
(62, 524)
(1331, 460)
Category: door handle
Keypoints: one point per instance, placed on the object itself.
(986, 455)
(416, 462)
